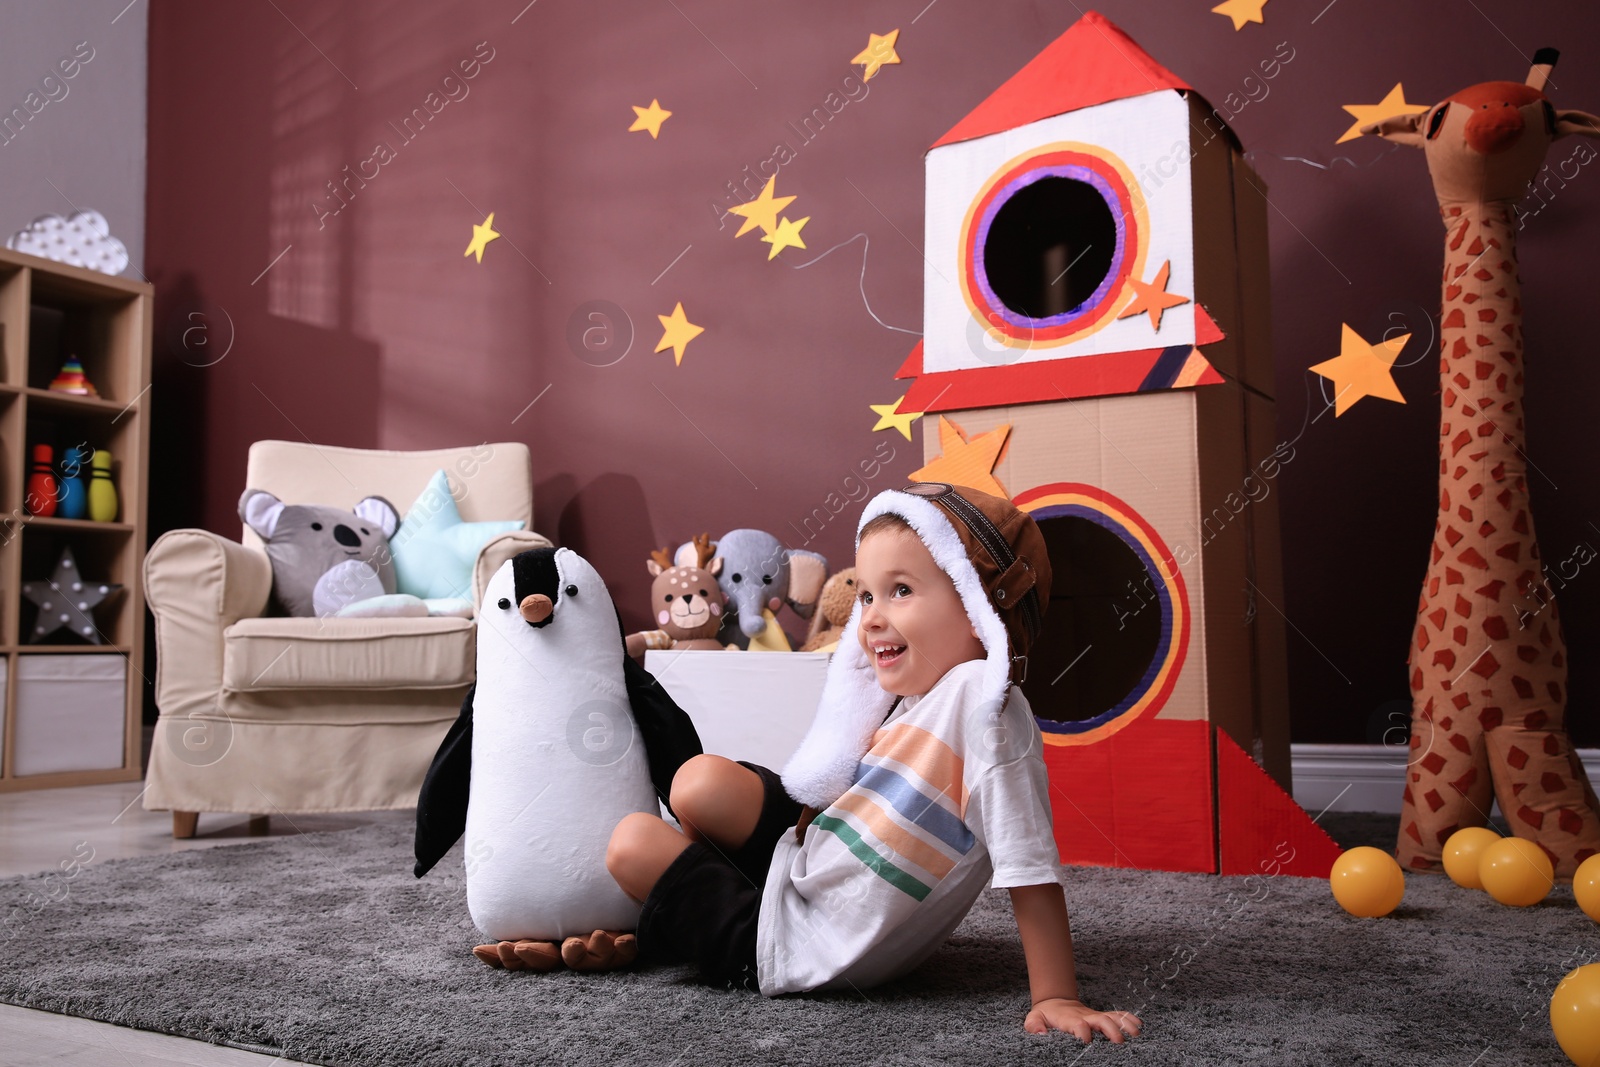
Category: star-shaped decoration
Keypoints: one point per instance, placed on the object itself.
(482, 234)
(676, 333)
(434, 552)
(649, 118)
(879, 51)
(889, 417)
(787, 235)
(1152, 297)
(1361, 369)
(1392, 104)
(67, 601)
(763, 210)
(964, 462)
(1241, 11)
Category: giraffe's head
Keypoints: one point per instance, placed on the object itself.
(1488, 141)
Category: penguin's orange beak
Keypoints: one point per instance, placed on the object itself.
(536, 608)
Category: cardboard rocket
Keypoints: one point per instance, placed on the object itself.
(1097, 342)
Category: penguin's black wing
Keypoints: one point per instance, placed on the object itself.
(442, 804)
(669, 736)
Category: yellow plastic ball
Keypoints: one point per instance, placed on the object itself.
(1575, 1015)
(1516, 871)
(1463, 852)
(1586, 887)
(1367, 882)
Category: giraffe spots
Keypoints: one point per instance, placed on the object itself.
(1523, 687)
(1464, 783)
(1486, 429)
(1459, 635)
(1483, 370)
(1503, 498)
(1447, 723)
(1416, 682)
(1453, 212)
(1456, 319)
(1465, 513)
(1520, 523)
(1451, 292)
(1476, 248)
(1483, 342)
(1469, 298)
(1474, 559)
(1533, 818)
(1491, 589)
(1461, 235)
(1462, 380)
(1551, 782)
(1413, 832)
(1502, 292)
(1437, 553)
(1483, 275)
(1452, 576)
(1554, 689)
(1468, 410)
(1461, 348)
(1475, 491)
(1434, 800)
(1461, 743)
(1498, 471)
(1558, 660)
(1517, 758)
(1433, 763)
(1461, 700)
(1490, 718)
(1422, 639)
(1445, 658)
(1433, 588)
(1485, 529)
(1486, 665)
(1444, 499)
(1460, 270)
(1518, 787)
(1463, 607)
(1516, 303)
(1570, 823)
(1437, 617)
(1511, 550)
(1494, 627)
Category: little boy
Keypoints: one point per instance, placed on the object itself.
(920, 781)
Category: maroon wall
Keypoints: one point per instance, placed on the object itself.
(373, 330)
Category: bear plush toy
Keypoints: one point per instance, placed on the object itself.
(833, 611)
(324, 559)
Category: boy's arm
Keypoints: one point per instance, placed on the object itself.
(1041, 912)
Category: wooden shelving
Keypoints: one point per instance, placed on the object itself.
(49, 311)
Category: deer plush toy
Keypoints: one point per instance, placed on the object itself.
(687, 602)
(1488, 658)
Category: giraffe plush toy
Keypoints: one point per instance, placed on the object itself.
(1488, 660)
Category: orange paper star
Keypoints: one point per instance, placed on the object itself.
(1241, 11)
(1361, 369)
(965, 462)
(1152, 297)
(1393, 103)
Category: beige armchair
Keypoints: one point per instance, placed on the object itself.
(285, 715)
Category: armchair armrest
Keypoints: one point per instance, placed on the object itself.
(494, 554)
(198, 584)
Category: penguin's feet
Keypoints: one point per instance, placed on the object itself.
(521, 955)
(602, 950)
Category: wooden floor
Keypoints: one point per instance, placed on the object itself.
(40, 829)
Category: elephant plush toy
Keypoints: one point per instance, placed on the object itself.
(758, 577)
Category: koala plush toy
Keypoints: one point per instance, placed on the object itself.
(324, 559)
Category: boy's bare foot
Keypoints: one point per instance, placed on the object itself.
(600, 951)
(521, 955)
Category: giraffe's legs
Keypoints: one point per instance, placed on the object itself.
(1544, 793)
(1448, 786)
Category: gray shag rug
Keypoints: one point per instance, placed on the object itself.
(323, 948)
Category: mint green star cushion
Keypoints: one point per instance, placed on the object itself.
(434, 551)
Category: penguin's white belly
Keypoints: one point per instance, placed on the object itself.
(549, 784)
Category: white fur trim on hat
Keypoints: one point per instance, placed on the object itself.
(853, 704)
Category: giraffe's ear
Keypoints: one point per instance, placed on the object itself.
(1401, 129)
(1569, 122)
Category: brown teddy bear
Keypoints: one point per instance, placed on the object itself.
(833, 611)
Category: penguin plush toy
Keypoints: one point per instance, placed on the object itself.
(561, 737)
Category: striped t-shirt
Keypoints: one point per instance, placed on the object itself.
(947, 800)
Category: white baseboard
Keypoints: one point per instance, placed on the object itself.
(1365, 777)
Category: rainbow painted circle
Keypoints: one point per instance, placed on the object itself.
(1105, 174)
(1072, 499)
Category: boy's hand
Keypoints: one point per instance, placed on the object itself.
(1080, 1020)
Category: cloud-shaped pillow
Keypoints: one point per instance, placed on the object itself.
(83, 240)
(434, 551)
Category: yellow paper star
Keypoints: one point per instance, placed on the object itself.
(964, 462)
(1241, 11)
(1361, 370)
(1392, 104)
(481, 236)
(1152, 297)
(787, 235)
(879, 51)
(763, 210)
(650, 118)
(900, 420)
(677, 332)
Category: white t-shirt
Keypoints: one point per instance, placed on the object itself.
(948, 799)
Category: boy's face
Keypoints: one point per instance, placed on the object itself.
(913, 625)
